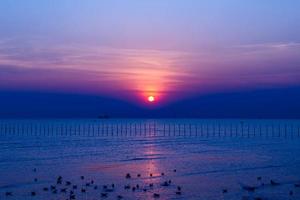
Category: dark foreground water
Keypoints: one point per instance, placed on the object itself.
(215, 165)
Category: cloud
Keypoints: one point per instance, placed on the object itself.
(140, 72)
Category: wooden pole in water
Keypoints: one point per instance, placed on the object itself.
(8, 129)
(106, 128)
(292, 131)
(61, 129)
(19, 129)
(98, 129)
(201, 129)
(248, 130)
(23, 129)
(207, 130)
(125, 129)
(236, 130)
(260, 130)
(242, 129)
(4, 129)
(121, 129)
(18, 125)
(174, 129)
(285, 130)
(93, 129)
(1, 129)
(41, 129)
(117, 129)
(16, 128)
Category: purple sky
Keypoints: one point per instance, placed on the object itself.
(133, 48)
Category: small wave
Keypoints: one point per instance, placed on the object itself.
(233, 170)
(143, 158)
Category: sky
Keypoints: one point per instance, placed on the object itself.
(79, 53)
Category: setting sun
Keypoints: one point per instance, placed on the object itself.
(151, 98)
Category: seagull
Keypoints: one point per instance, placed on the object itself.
(59, 180)
(155, 195)
(249, 188)
(103, 194)
(68, 183)
(165, 183)
(127, 187)
(128, 175)
(273, 183)
(63, 190)
(8, 193)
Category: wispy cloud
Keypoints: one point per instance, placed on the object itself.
(103, 69)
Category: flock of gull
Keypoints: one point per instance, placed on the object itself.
(71, 190)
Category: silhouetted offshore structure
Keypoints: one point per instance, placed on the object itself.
(114, 129)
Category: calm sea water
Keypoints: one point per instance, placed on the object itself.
(209, 156)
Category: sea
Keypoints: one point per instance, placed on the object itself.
(208, 159)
